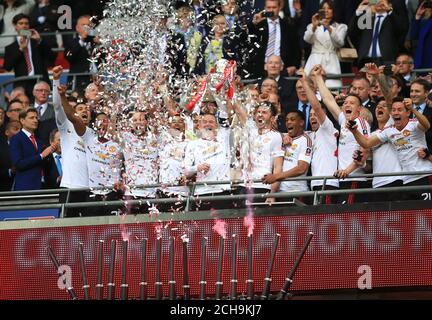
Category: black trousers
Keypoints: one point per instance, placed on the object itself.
(419, 195)
(78, 196)
(206, 205)
(144, 207)
(172, 206)
(388, 196)
(327, 199)
(352, 197)
(103, 210)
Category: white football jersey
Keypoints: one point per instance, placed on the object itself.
(216, 153)
(324, 154)
(348, 145)
(74, 160)
(104, 161)
(299, 150)
(141, 155)
(263, 149)
(406, 143)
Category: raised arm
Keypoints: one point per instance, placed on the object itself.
(60, 115)
(315, 104)
(377, 74)
(236, 108)
(77, 122)
(363, 141)
(424, 123)
(327, 96)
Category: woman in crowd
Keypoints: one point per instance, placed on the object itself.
(326, 36)
(421, 30)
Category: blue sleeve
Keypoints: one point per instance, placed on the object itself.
(19, 160)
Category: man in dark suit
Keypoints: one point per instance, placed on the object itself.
(272, 36)
(7, 172)
(302, 103)
(26, 55)
(404, 67)
(45, 111)
(286, 88)
(13, 110)
(361, 87)
(78, 52)
(418, 94)
(53, 166)
(380, 42)
(28, 153)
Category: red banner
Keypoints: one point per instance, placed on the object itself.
(396, 245)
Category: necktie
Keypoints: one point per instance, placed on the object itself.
(305, 113)
(58, 164)
(375, 37)
(230, 20)
(33, 140)
(418, 108)
(39, 109)
(271, 46)
(27, 60)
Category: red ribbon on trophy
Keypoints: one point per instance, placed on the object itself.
(202, 87)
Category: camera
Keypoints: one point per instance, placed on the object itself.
(359, 155)
(351, 124)
(429, 97)
(373, 2)
(268, 14)
(25, 33)
(321, 14)
(388, 70)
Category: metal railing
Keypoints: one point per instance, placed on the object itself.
(42, 34)
(37, 77)
(330, 76)
(4, 84)
(317, 195)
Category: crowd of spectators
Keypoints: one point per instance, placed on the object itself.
(317, 125)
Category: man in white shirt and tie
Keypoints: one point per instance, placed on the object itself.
(273, 36)
(377, 38)
(418, 94)
(404, 67)
(26, 56)
(230, 9)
